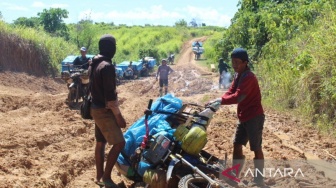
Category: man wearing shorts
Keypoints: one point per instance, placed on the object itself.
(105, 110)
(245, 92)
(163, 71)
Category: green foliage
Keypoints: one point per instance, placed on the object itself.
(300, 73)
(32, 22)
(83, 33)
(148, 52)
(54, 48)
(52, 21)
(133, 43)
(181, 23)
(293, 43)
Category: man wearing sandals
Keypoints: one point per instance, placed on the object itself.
(245, 92)
(105, 110)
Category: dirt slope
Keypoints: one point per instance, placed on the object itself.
(45, 144)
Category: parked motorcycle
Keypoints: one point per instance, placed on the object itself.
(165, 147)
(77, 80)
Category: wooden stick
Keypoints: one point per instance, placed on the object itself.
(329, 154)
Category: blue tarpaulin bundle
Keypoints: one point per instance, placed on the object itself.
(157, 125)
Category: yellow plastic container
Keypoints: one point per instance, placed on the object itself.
(194, 141)
(180, 132)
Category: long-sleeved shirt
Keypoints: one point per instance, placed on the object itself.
(103, 83)
(83, 61)
(245, 92)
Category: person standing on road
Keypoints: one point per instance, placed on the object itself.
(223, 68)
(245, 92)
(82, 60)
(105, 110)
(163, 71)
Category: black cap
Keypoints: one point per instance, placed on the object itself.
(240, 53)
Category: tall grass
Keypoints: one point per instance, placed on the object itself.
(132, 39)
(131, 42)
(300, 74)
(31, 50)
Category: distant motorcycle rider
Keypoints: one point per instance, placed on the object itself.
(163, 71)
(222, 68)
(82, 60)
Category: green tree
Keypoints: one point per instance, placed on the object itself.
(85, 33)
(27, 22)
(0, 15)
(148, 52)
(52, 21)
(181, 23)
(193, 23)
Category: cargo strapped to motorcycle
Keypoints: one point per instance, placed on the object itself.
(184, 118)
(158, 150)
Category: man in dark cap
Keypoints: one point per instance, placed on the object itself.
(245, 92)
(105, 110)
(82, 60)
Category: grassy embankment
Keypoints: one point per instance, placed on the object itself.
(300, 76)
(31, 50)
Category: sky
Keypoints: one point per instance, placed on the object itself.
(129, 12)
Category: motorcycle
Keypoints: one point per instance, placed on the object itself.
(171, 58)
(77, 80)
(165, 147)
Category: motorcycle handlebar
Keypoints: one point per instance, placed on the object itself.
(150, 103)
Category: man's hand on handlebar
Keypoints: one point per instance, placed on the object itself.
(218, 100)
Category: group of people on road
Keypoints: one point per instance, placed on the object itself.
(244, 91)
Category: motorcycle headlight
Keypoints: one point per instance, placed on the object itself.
(65, 75)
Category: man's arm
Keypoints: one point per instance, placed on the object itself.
(170, 70)
(76, 61)
(110, 93)
(241, 92)
(158, 72)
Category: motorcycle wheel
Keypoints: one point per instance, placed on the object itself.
(72, 98)
(193, 181)
(77, 95)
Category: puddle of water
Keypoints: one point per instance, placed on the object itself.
(329, 169)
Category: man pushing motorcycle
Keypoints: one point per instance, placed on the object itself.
(245, 92)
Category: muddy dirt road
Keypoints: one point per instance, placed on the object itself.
(43, 143)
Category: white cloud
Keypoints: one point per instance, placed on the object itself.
(38, 4)
(159, 15)
(135, 16)
(209, 16)
(10, 6)
(59, 6)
